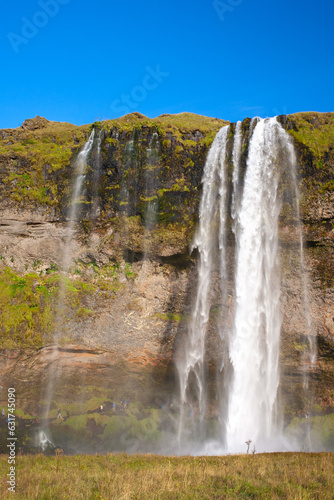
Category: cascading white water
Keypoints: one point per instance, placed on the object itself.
(152, 158)
(236, 155)
(96, 177)
(43, 442)
(53, 370)
(190, 364)
(309, 354)
(80, 165)
(254, 347)
(250, 360)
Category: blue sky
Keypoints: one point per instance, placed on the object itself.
(78, 60)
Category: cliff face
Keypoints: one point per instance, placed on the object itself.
(132, 280)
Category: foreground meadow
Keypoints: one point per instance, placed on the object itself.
(269, 476)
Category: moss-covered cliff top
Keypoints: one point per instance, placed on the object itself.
(36, 159)
(54, 142)
(47, 142)
(179, 125)
(315, 130)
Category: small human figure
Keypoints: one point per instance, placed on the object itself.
(114, 406)
(59, 413)
(3, 412)
(101, 408)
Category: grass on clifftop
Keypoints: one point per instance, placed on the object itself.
(178, 125)
(315, 130)
(34, 157)
(33, 154)
(113, 477)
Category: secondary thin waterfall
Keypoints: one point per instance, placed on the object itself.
(54, 369)
(151, 185)
(190, 365)
(310, 349)
(248, 202)
(80, 165)
(96, 177)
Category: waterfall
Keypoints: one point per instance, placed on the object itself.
(190, 365)
(80, 165)
(250, 320)
(151, 187)
(236, 156)
(310, 350)
(43, 442)
(254, 347)
(96, 178)
(53, 368)
(152, 155)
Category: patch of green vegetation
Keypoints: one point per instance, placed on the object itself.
(300, 347)
(129, 273)
(317, 430)
(21, 414)
(29, 305)
(169, 317)
(148, 198)
(178, 125)
(25, 309)
(178, 186)
(176, 235)
(84, 313)
(112, 142)
(328, 187)
(40, 153)
(190, 144)
(315, 130)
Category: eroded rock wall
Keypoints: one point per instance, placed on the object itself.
(131, 286)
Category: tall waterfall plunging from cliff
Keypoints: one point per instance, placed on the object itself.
(254, 346)
(249, 320)
(80, 165)
(54, 369)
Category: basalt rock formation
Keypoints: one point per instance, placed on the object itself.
(132, 278)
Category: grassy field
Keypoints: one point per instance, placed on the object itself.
(269, 476)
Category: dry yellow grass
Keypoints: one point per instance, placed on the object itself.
(123, 477)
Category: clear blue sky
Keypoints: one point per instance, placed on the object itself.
(83, 60)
